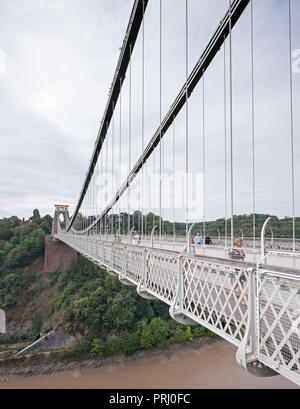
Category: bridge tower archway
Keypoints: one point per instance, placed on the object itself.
(60, 210)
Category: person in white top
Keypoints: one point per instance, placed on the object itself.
(190, 249)
(135, 238)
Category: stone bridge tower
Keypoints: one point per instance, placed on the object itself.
(60, 210)
(58, 254)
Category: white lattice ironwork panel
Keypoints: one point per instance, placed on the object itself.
(216, 294)
(162, 275)
(134, 264)
(100, 251)
(119, 254)
(279, 323)
(106, 253)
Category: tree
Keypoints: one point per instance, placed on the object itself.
(18, 257)
(48, 220)
(155, 334)
(111, 347)
(45, 227)
(36, 218)
(98, 348)
(129, 342)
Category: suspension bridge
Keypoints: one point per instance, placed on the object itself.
(135, 177)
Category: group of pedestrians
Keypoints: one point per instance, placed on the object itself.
(198, 239)
(235, 253)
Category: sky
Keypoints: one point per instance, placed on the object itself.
(57, 61)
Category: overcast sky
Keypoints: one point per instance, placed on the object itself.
(57, 61)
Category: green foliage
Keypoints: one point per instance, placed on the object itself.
(37, 324)
(155, 334)
(98, 348)
(20, 244)
(12, 339)
(9, 302)
(36, 218)
(129, 342)
(111, 318)
(281, 227)
(111, 347)
(181, 335)
(199, 331)
(80, 350)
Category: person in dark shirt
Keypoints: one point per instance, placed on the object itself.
(208, 240)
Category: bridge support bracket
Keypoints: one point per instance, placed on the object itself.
(112, 272)
(144, 293)
(125, 281)
(102, 265)
(257, 368)
(180, 317)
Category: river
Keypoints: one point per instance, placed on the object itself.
(212, 366)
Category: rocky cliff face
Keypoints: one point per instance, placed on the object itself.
(57, 255)
(51, 341)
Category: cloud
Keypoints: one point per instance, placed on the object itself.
(62, 58)
(52, 97)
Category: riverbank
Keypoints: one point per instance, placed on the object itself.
(47, 363)
(207, 364)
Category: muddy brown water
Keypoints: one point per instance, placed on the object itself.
(210, 367)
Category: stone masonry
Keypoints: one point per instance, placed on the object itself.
(57, 255)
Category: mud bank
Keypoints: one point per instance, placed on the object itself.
(208, 364)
